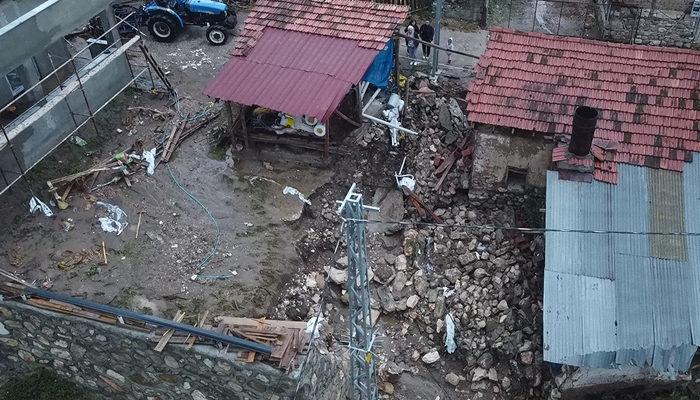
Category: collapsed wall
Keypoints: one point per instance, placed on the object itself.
(118, 363)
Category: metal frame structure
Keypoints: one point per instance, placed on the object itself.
(79, 120)
(362, 359)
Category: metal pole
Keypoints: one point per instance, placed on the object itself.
(534, 16)
(12, 148)
(438, 27)
(82, 90)
(561, 10)
(4, 178)
(53, 67)
(362, 359)
(510, 10)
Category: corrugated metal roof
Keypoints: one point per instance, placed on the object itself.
(368, 23)
(648, 97)
(292, 72)
(611, 300)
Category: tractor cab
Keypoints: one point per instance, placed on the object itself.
(167, 18)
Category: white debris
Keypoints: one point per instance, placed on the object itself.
(431, 357)
(450, 334)
(288, 190)
(37, 205)
(115, 222)
(150, 157)
(314, 325)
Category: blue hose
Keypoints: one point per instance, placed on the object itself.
(215, 248)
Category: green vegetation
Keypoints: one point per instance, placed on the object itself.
(42, 384)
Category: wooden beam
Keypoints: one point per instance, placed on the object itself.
(436, 46)
(397, 62)
(231, 122)
(169, 333)
(244, 124)
(358, 101)
(347, 119)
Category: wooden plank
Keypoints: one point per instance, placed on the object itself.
(261, 322)
(179, 315)
(200, 324)
(347, 119)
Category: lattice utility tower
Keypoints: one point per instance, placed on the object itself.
(362, 363)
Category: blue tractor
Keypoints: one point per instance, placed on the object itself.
(167, 18)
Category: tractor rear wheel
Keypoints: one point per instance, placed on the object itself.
(163, 28)
(217, 35)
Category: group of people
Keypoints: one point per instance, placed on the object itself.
(426, 33)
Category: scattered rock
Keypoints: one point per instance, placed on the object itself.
(485, 361)
(431, 357)
(342, 262)
(412, 301)
(453, 379)
(338, 276)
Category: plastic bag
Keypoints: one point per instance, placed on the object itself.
(450, 334)
(150, 157)
(314, 324)
(37, 205)
(294, 192)
(115, 222)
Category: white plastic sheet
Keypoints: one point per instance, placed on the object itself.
(317, 321)
(288, 190)
(37, 205)
(450, 334)
(115, 221)
(150, 157)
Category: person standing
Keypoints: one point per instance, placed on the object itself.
(450, 46)
(411, 44)
(427, 32)
(411, 23)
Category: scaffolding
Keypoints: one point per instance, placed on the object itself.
(139, 72)
(362, 359)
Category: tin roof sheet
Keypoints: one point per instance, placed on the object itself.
(623, 299)
(648, 97)
(292, 72)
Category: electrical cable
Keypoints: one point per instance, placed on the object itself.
(525, 230)
(215, 247)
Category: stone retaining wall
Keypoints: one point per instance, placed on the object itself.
(118, 363)
(671, 28)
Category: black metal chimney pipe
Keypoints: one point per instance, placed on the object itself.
(582, 131)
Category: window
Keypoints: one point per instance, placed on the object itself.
(14, 79)
(516, 178)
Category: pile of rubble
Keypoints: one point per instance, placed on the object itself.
(443, 148)
(463, 298)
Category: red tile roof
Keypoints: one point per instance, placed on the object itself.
(369, 23)
(297, 73)
(648, 97)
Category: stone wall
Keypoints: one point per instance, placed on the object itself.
(497, 150)
(325, 374)
(650, 26)
(466, 10)
(117, 363)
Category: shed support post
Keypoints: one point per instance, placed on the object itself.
(243, 110)
(358, 100)
(228, 109)
(397, 62)
(327, 139)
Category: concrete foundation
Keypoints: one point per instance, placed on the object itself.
(503, 159)
(586, 383)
